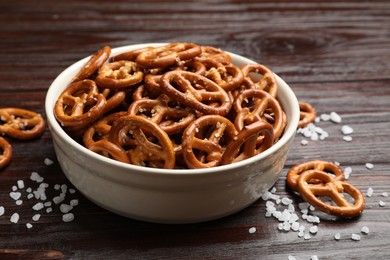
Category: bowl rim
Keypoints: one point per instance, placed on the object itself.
(54, 126)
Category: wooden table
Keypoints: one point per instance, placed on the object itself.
(334, 54)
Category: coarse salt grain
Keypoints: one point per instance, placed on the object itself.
(252, 230)
(385, 194)
(68, 217)
(355, 237)
(290, 257)
(19, 202)
(48, 162)
(2, 210)
(334, 117)
(347, 172)
(347, 138)
(28, 225)
(369, 166)
(370, 191)
(325, 117)
(38, 206)
(337, 236)
(72, 191)
(307, 236)
(15, 195)
(382, 203)
(346, 130)
(36, 217)
(65, 208)
(313, 229)
(304, 142)
(14, 188)
(365, 230)
(74, 202)
(314, 257)
(20, 184)
(14, 218)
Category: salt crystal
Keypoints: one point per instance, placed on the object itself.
(303, 205)
(355, 237)
(313, 229)
(38, 206)
(14, 218)
(20, 184)
(382, 203)
(290, 257)
(301, 234)
(28, 225)
(48, 162)
(314, 136)
(385, 194)
(302, 228)
(36, 217)
(29, 190)
(15, 195)
(304, 142)
(369, 166)
(291, 208)
(57, 187)
(49, 209)
(312, 208)
(286, 226)
(334, 117)
(317, 119)
(365, 230)
(68, 217)
(346, 130)
(295, 226)
(347, 172)
(307, 236)
(325, 117)
(337, 163)
(347, 138)
(370, 191)
(252, 230)
(286, 201)
(14, 188)
(65, 208)
(72, 191)
(19, 202)
(74, 202)
(314, 257)
(58, 199)
(2, 210)
(30, 196)
(337, 236)
(293, 218)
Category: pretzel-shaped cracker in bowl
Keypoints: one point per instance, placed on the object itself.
(252, 105)
(245, 144)
(205, 140)
(119, 74)
(168, 55)
(333, 189)
(307, 114)
(80, 104)
(5, 153)
(267, 81)
(93, 64)
(197, 92)
(20, 123)
(150, 145)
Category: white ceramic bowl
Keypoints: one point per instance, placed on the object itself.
(169, 196)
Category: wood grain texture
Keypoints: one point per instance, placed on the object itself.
(334, 54)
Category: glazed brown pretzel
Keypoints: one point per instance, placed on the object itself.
(5, 153)
(110, 150)
(130, 55)
(143, 132)
(79, 104)
(93, 64)
(119, 74)
(168, 55)
(256, 111)
(247, 138)
(21, 123)
(100, 129)
(333, 189)
(206, 134)
(228, 76)
(212, 53)
(267, 82)
(171, 119)
(196, 91)
(316, 166)
(307, 114)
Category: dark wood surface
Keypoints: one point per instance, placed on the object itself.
(334, 54)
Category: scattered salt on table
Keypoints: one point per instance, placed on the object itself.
(370, 191)
(334, 117)
(385, 194)
(347, 172)
(68, 217)
(14, 218)
(20, 184)
(365, 230)
(369, 166)
(38, 206)
(28, 225)
(355, 237)
(48, 162)
(337, 236)
(382, 203)
(346, 130)
(36, 217)
(252, 230)
(15, 195)
(347, 138)
(2, 210)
